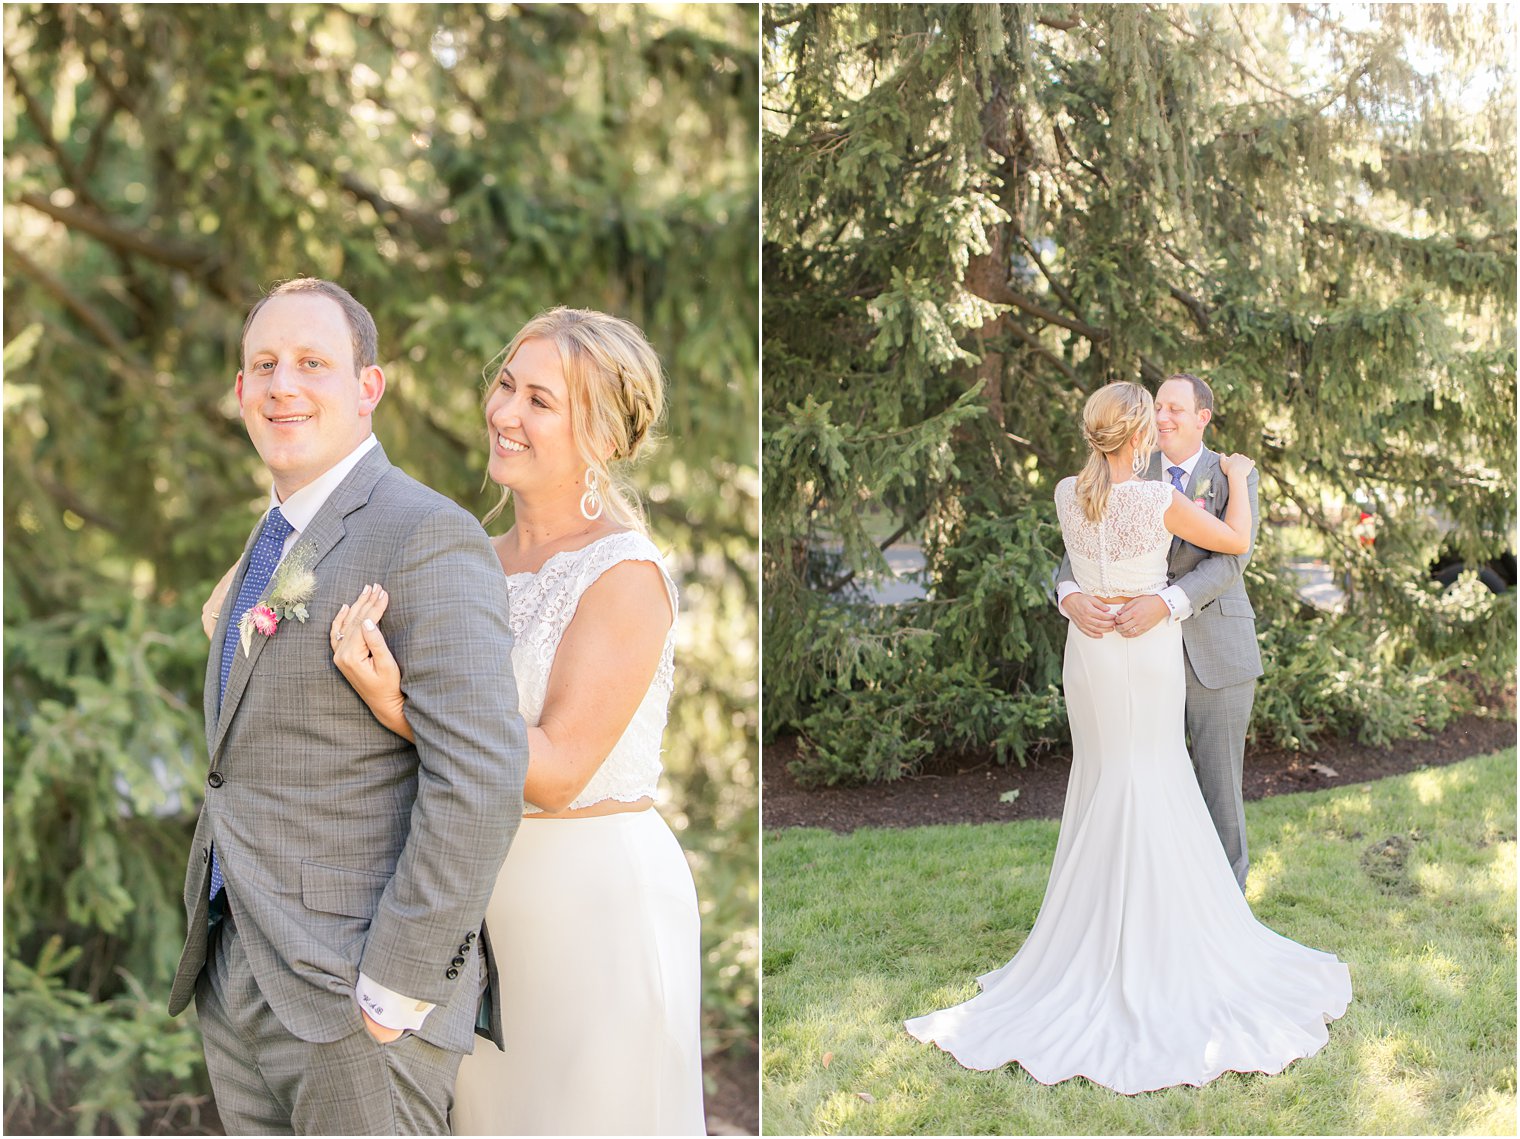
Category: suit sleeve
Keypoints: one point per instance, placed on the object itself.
(1216, 573)
(1064, 576)
(449, 631)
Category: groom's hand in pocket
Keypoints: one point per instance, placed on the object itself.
(1087, 615)
(379, 1031)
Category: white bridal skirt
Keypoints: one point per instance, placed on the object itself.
(1145, 967)
(598, 946)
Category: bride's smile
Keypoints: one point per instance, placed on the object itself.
(532, 444)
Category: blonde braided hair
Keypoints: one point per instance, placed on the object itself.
(1113, 415)
(616, 396)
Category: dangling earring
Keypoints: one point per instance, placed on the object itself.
(1138, 463)
(591, 501)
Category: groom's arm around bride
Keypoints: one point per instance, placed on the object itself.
(1206, 593)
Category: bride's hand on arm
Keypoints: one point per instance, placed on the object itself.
(211, 612)
(1232, 534)
(362, 656)
(602, 668)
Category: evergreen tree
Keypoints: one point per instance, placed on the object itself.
(458, 168)
(976, 215)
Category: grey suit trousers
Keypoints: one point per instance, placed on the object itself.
(1217, 719)
(270, 1082)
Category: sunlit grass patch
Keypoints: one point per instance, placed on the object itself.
(1411, 880)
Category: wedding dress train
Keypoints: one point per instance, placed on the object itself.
(1145, 967)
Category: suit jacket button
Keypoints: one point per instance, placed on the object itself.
(451, 973)
(465, 948)
(457, 961)
(215, 779)
(470, 936)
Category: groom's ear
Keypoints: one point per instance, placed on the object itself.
(371, 388)
(237, 387)
(1205, 417)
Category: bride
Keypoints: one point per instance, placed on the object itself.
(1145, 967)
(594, 916)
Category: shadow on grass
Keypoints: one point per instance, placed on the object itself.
(864, 930)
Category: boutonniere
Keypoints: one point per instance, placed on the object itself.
(1203, 493)
(291, 587)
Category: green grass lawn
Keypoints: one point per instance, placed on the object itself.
(864, 930)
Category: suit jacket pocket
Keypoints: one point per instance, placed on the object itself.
(1236, 607)
(341, 890)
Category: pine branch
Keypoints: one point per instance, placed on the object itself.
(1056, 287)
(1196, 308)
(773, 21)
(116, 33)
(100, 327)
(68, 500)
(426, 225)
(95, 148)
(1063, 145)
(1059, 24)
(175, 254)
(120, 358)
(984, 279)
(71, 173)
(1308, 509)
(1033, 342)
(844, 579)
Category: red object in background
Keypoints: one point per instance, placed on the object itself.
(1365, 528)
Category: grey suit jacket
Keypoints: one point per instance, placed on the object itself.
(1220, 635)
(345, 847)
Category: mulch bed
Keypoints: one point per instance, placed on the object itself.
(733, 1107)
(969, 790)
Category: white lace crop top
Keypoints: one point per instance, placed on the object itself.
(542, 606)
(1123, 554)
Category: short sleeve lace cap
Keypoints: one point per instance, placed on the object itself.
(542, 606)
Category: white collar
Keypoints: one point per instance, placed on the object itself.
(302, 506)
(1187, 466)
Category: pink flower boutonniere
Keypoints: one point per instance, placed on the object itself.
(1203, 493)
(265, 620)
(289, 590)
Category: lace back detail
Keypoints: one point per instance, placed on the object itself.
(1123, 554)
(543, 604)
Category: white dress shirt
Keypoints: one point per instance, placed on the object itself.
(1176, 600)
(386, 1006)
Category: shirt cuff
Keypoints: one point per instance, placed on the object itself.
(1065, 589)
(388, 1008)
(1177, 601)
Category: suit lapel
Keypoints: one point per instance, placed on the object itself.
(321, 536)
(212, 687)
(1206, 467)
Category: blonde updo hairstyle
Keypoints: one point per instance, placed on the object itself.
(1114, 415)
(616, 397)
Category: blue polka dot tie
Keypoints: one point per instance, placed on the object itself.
(1177, 473)
(266, 555)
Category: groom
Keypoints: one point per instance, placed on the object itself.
(339, 874)
(1206, 594)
